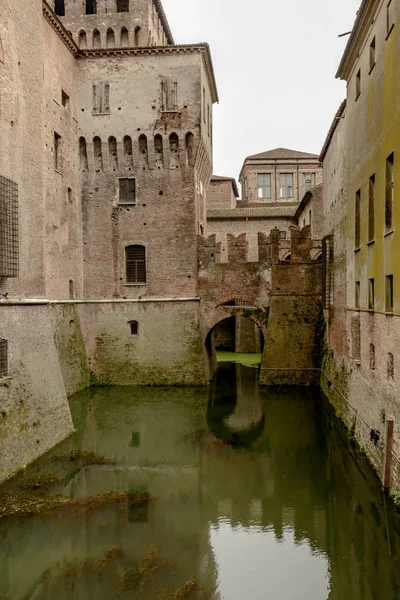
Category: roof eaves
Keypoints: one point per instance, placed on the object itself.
(59, 28)
(332, 129)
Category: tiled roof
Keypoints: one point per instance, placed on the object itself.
(280, 153)
(231, 179)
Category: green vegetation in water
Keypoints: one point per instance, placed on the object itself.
(248, 360)
(26, 505)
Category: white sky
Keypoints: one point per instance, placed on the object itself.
(275, 64)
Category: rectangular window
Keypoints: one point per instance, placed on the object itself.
(357, 294)
(328, 275)
(9, 243)
(65, 100)
(135, 257)
(357, 216)
(282, 235)
(59, 8)
(286, 185)
(308, 181)
(122, 5)
(389, 198)
(91, 8)
(371, 209)
(101, 98)
(57, 152)
(371, 294)
(390, 16)
(127, 191)
(264, 185)
(169, 94)
(372, 51)
(389, 293)
(358, 83)
(3, 358)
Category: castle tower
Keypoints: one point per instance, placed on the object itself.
(115, 23)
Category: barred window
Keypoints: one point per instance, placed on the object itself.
(327, 271)
(134, 325)
(127, 191)
(135, 258)
(3, 358)
(9, 246)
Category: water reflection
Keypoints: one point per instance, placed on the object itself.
(283, 510)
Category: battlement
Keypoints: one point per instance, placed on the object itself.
(272, 250)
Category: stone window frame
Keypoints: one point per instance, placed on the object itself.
(132, 189)
(136, 264)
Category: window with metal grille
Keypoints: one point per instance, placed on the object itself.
(327, 271)
(389, 192)
(239, 303)
(9, 246)
(127, 191)
(134, 325)
(135, 258)
(3, 358)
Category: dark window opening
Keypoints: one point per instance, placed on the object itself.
(65, 99)
(57, 151)
(371, 294)
(327, 271)
(357, 225)
(372, 50)
(122, 5)
(389, 293)
(134, 325)
(358, 83)
(372, 357)
(59, 8)
(1, 52)
(3, 358)
(389, 192)
(91, 7)
(71, 289)
(135, 257)
(357, 293)
(9, 242)
(127, 191)
(371, 209)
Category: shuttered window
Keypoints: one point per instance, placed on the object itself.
(127, 191)
(135, 258)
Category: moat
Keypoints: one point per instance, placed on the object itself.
(246, 493)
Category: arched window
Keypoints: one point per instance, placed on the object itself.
(143, 151)
(110, 38)
(91, 7)
(158, 151)
(174, 151)
(83, 154)
(124, 38)
(59, 8)
(113, 153)
(122, 5)
(128, 152)
(98, 154)
(189, 148)
(135, 260)
(96, 39)
(82, 40)
(137, 36)
(134, 325)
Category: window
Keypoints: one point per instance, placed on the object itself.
(389, 193)
(3, 358)
(125, 38)
(65, 100)
(264, 185)
(69, 196)
(137, 36)
(390, 366)
(9, 246)
(122, 5)
(358, 83)
(282, 235)
(57, 151)
(134, 326)
(82, 40)
(390, 17)
(71, 289)
(371, 294)
(101, 98)
(357, 294)
(372, 357)
(169, 94)
(328, 256)
(371, 209)
(135, 258)
(1, 52)
(389, 293)
(372, 49)
(308, 181)
(127, 191)
(357, 223)
(91, 8)
(286, 185)
(59, 8)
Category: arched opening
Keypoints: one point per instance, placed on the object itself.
(98, 154)
(113, 153)
(110, 38)
(128, 156)
(122, 5)
(143, 151)
(82, 40)
(83, 154)
(158, 151)
(96, 39)
(59, 8)
(124, 37)
(138, 36)
(189, 148)
(174, 151)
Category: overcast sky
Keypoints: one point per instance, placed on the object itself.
(275, 64)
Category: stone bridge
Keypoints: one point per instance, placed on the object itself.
(280, 293)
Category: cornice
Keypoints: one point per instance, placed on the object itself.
(164, 20)
(339, 115)
(201, 48)
(59, 28)
(362, 24)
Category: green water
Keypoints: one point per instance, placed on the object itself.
(257, 497)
